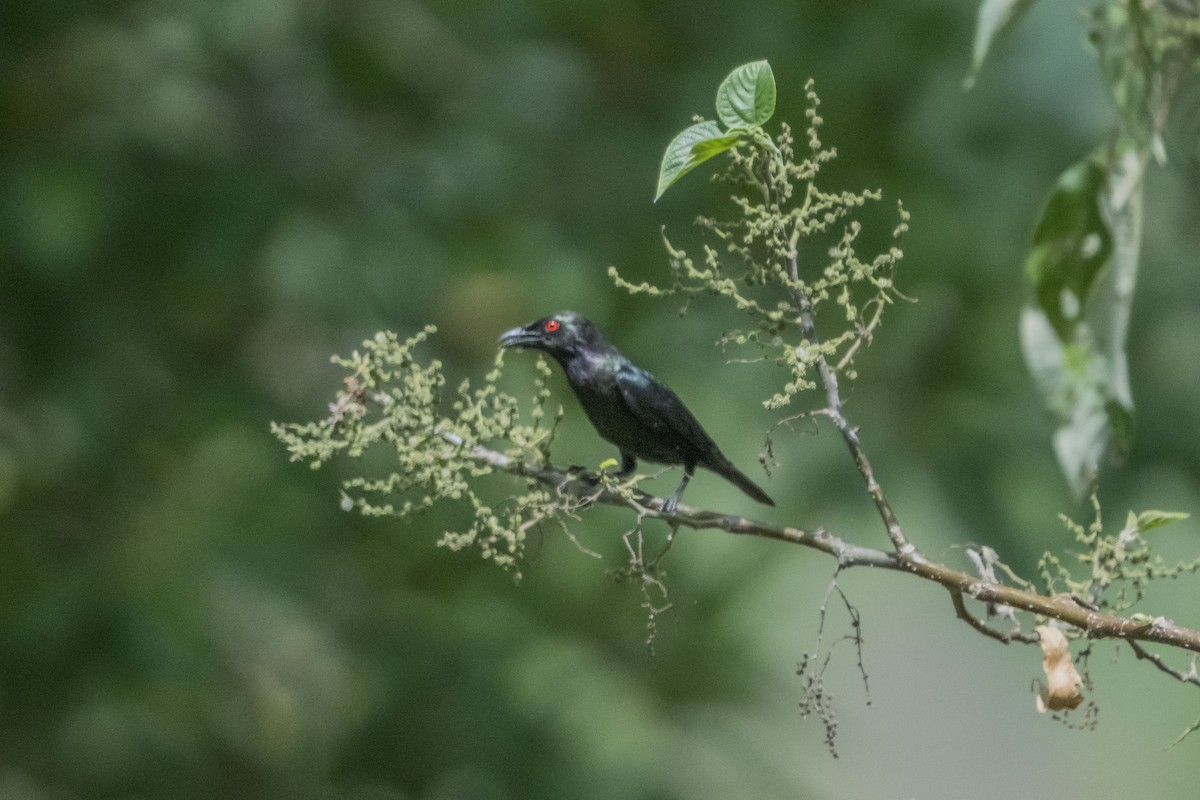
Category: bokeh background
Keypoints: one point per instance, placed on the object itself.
(201, 200)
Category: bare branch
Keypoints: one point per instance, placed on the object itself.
(1094, 623)
(966, 616)
(833, 399)
(865, 334)
(1154, 658)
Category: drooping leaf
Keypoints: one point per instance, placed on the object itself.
(1123, 208)
(1070, 381)
(996, 18)
(1083, 267)
(1073, 243)
(1043, 351)
(693, 146)
(1080, 445)
(747, 95)
(1119, 414)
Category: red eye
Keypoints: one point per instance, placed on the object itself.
(551, 325)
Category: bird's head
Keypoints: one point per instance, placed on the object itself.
(562, 335)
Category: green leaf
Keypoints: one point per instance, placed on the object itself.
(692, 147)
(1148, 520)
(1071, 382)
(747, 96)
(1119, 415)
(1073, 243)
(1083, 267)
(996, 18)
(1043, 351)
(1079, 446)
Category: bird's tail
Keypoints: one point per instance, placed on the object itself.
(738, 479)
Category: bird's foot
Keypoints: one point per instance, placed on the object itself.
(670, 504)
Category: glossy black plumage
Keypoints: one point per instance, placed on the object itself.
(627, 405)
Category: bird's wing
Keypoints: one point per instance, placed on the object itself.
(663, 413)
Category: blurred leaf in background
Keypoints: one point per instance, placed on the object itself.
(1088, 245)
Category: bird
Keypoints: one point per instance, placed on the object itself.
(627, 405)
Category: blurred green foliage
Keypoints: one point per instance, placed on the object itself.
(1088, 245)
(203, 200)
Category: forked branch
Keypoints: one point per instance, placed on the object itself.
(1063, 607)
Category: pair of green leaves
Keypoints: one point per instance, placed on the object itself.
(745, 100)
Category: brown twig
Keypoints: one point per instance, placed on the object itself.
(960, 608)
(833, 409)
(1154, 658)
(1092, 622)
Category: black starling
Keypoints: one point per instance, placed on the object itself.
(626, 404)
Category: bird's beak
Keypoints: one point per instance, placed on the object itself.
(519, 337)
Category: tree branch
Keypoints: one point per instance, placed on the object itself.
(1154, 658)
(833, 399)
(587, 486)
(1093, 623)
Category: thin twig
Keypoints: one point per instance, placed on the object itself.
(857, 637)
(1092, 622)
(833, 399)
(865, 335)
(966, 616)
(1154, 658)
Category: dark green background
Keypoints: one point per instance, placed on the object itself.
(201, 201)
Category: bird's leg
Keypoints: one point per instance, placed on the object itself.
(628, 465)
(673, 501)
